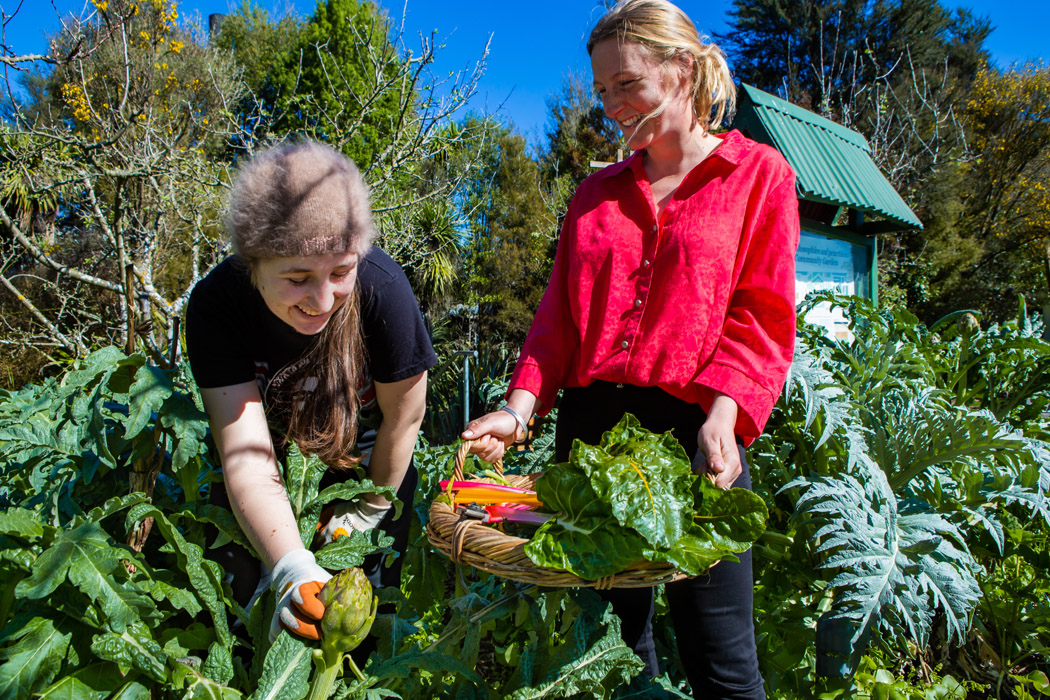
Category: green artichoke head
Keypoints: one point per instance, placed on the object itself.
(350, 609)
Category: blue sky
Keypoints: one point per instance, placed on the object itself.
(534, 44)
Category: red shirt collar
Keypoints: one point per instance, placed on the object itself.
(733, 149)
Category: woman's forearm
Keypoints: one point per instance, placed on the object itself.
(260, 503)
(403, 405)
(524, 403)
(249, 469)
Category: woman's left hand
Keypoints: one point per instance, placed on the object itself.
(718, 453)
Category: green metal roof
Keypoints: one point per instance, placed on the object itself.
(833, 163)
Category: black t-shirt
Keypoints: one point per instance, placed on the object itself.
(232, 336)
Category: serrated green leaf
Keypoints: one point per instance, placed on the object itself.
(86, 557)
(203, 575)
(133, 690)
(133, 648)
(286, 670)
(302, 476)
(147, 394)
(221, 518)
(415, 660)
(94, 682)
(188, 424)
(98, 364)
(881, 579)
(179, 597)
(199, 687)
(114, 505)
(33, 660)
(592, 661)
(194, 637)
(21, 523)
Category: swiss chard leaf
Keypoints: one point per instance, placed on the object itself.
(590, 548)
(585, 538)
(725, 521)
(643, 476)
(634, 497)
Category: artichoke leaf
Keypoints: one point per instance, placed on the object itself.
(732, 518)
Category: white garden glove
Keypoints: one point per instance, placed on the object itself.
(340, 520)
(297, 579)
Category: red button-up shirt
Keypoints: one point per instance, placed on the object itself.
(701, 301)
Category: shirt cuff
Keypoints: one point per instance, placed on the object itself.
(527, 376)
(755, 402)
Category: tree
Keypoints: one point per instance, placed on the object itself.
(110, 200)
(817, 53)
(124, 157)
(258, 42)
(342, 81)
(346, 77)
(899, 72)
(995, 243)
(895, 71)
(578, 133)
(514, 236)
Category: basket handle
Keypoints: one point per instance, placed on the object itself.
(461, 457)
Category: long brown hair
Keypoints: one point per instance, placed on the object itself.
(324, 421)
(306, 198)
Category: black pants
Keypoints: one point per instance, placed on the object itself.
(712, 614)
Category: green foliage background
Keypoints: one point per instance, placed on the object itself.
(906, 473)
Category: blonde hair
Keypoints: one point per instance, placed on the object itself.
(668, 33)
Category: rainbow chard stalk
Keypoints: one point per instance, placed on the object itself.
(350, 609)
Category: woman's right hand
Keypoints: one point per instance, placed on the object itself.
(491, 433)
(297, 579)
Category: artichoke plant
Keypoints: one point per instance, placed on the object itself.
(350, 608)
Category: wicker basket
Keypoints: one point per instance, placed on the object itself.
(468, 541)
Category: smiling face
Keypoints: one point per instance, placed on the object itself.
(305, 291)
(648, 100)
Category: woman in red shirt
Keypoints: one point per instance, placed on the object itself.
(671, 297)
